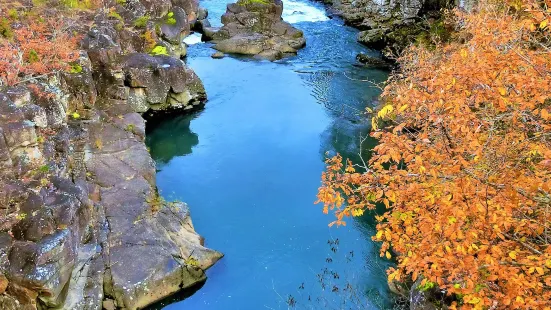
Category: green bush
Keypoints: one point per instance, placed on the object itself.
(5, 28)
(141, 22)
(115, 15)
(75, 68)
(159, 50)
(33, 57)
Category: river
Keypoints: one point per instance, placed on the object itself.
(249, 167)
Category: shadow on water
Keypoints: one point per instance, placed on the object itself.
(179, 296)
(171, 138)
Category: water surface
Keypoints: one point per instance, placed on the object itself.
(249, 167)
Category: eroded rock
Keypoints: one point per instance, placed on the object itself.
(255, 27)
(82, 225)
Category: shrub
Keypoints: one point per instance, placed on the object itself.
(159, 50)
(141, 22)
(36, 47)
(464, 164)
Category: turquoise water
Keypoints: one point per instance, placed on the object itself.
(249, 167)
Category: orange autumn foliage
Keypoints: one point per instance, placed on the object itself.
(463, 163)
(34, 44)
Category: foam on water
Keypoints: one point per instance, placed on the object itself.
(193, 38)
(296, 11)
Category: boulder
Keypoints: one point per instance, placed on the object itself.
(217, 55)
(161, 83)
(372, 61)
(175, 26)
(255, 27)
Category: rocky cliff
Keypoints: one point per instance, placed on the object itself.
(394, 24)
(82, 225)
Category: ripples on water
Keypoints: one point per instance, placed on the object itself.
(249, 166)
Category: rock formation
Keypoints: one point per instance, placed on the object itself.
(255, 27)
(392, 24)
(82, 224)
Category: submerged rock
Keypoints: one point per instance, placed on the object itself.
(255, 27)
(217, 55)
(371, 61)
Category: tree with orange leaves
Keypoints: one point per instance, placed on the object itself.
(463, 163)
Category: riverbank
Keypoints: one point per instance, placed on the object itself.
(82, 225)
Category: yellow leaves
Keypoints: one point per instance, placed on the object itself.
(544, 114)
(388, 235)
(357, 212)
(391, 196)
(374, 123)
(473, 300)
(543, 24)
(387, 255)
(394, 275)
(387, 109)
(461, 196)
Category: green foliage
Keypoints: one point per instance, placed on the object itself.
(130, 128)
(249, 2)
(121, 2)
(77, 4)
(75, 68)
(5, 28)
(12, 13)
(171, 21)
(116, 15)
(39, 2)
(159, 50)
(44, 168)
(427, 286)
(75, 115)
(141, 22)
(119, 26)
(191, 262)
(33, 57)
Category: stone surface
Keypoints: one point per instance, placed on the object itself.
(217, 55)
(389, 24)
(82, 225)
(371, 61)
(255, 28)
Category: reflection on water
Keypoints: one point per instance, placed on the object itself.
(249, 167)
(165, 143)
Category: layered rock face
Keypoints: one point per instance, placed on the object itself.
(255, 27)
(391, 24)
(82, 224)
